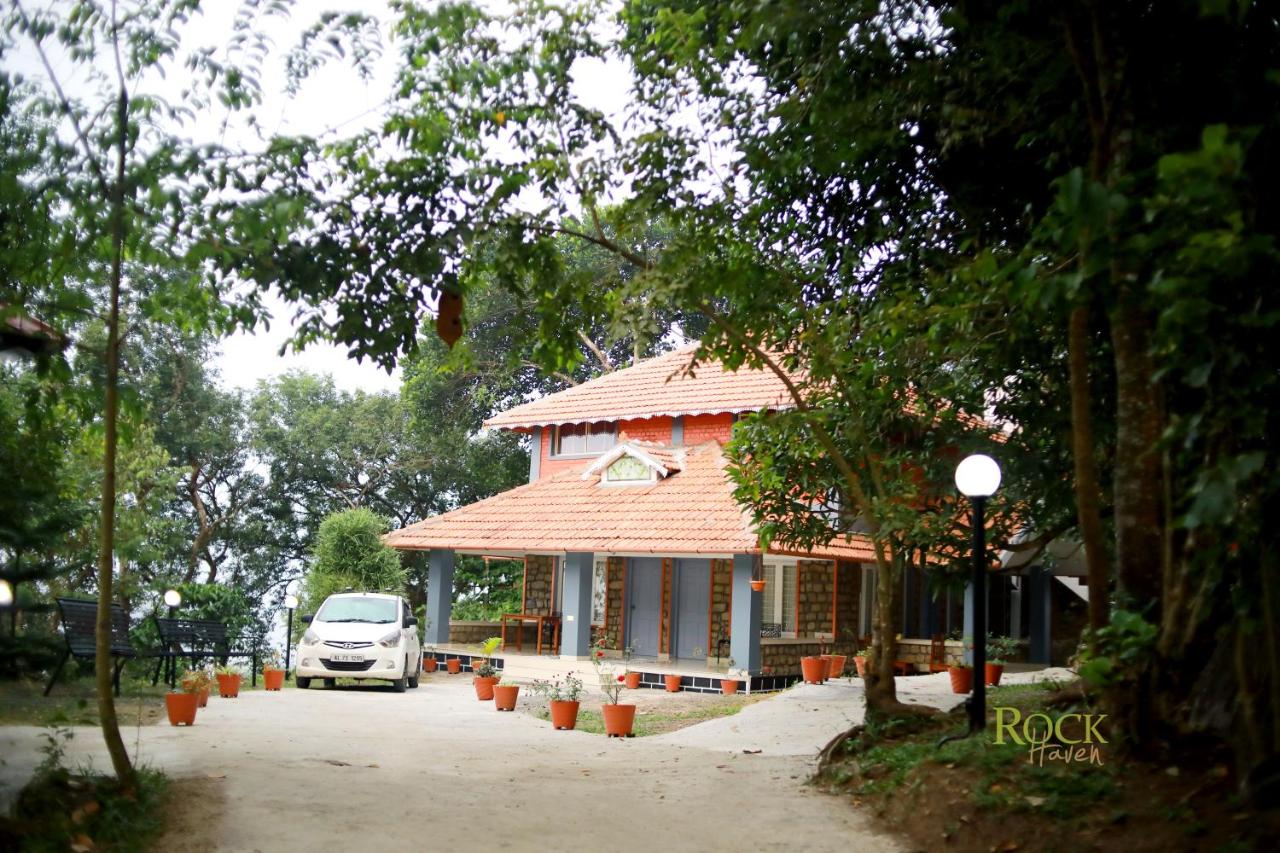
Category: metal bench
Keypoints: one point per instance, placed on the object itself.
(79, 619)
(197, 639)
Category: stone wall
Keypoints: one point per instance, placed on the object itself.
(466, 633)
(817, 583)
(539, 572)
(664, 617)
(916, 652)
(721, 604)
(614, 598)
(848, 600)
(782, 657)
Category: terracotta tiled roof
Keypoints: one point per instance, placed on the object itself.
(691, 511)
(655, 387)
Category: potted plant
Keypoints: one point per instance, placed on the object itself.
(961, 677)
(272, 673)
(631, 679)
(814, 669)
(860, 661)
(729, 684)
(486, 676)
(453, 665)
(429, 662)
(198, 682)
(619, 718)
(505, 694)
(562, 698)
(835, 665)
(181, 704)
(229, 678)
(999, 651)
(672, 682)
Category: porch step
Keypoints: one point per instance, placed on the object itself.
(1076, 585)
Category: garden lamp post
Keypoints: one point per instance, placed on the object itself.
(291, 604)
(978, 477)
(6, 593)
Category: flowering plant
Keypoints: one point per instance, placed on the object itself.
(196, 681)
(570, 690)
(611, 681)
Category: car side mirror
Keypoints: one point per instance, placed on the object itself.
(306, 620)
(411, 622)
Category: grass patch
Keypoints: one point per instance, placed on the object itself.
(75, 703)
(656, 721)
(62, 809)
(975, 794)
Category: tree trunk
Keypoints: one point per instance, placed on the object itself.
(111, 410)
(1084, 451)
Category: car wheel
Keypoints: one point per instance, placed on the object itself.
(330, 683)
(413, 682)
(301, 682)
(402, 682)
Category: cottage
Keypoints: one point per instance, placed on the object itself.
(631, 538)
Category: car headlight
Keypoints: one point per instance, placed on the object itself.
(310, 638)
(391, 640)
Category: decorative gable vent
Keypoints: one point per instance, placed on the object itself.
(633, 463)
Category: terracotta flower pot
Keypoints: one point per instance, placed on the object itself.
(272, 679)
(835, 665)
(619, 719)
(504, 697)
(672, 682)
(633, 680)
(429, 663)
(813, 669)
(564, 715)
(757, 586)
(181, 708)
(228, 686)
(453, 665)
(961, 678)
(860, 661)
(729, 686)
(993, 671)
(484, 686)
(202, 698)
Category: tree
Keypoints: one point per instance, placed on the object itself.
(349, 554)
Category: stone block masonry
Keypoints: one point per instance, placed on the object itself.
(614, 602)
(721, 605)
(539, 580)
(816, 579)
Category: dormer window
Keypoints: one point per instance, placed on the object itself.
(584, 439)
(629, 469)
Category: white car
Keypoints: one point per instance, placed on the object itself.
(365, 635)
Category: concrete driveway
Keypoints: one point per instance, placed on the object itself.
(434, 769)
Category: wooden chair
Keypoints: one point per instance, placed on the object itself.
(937, 654)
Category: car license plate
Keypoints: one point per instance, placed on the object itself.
(350, 658)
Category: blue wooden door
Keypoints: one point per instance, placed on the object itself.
(693, 598)
(644, 604)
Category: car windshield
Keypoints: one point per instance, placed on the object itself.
(381, 611)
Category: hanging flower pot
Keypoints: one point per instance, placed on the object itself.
(633, 681)
(961, 679)
(814, 669)
(672, 682)
(181, 708)
(228, 685)
(729, 686)
(860, 662)
(505, 695)
(453, 665)
(757, 586)
(564, 714)
(835, 665)
(993, 671)
(429, 663)
(272, 678)
(619, 720)
(484, 685)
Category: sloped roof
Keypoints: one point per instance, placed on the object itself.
(691, 511)
(656, 387)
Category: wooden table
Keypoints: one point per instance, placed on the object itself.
(539, 619)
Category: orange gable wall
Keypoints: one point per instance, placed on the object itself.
(702, 428)
(697, 429)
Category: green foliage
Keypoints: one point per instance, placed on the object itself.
(227, 604)
(1119, 650)
(349, 553)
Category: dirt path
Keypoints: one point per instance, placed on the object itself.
(436, 770)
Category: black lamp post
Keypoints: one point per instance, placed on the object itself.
(291, 604)
(978, 477)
